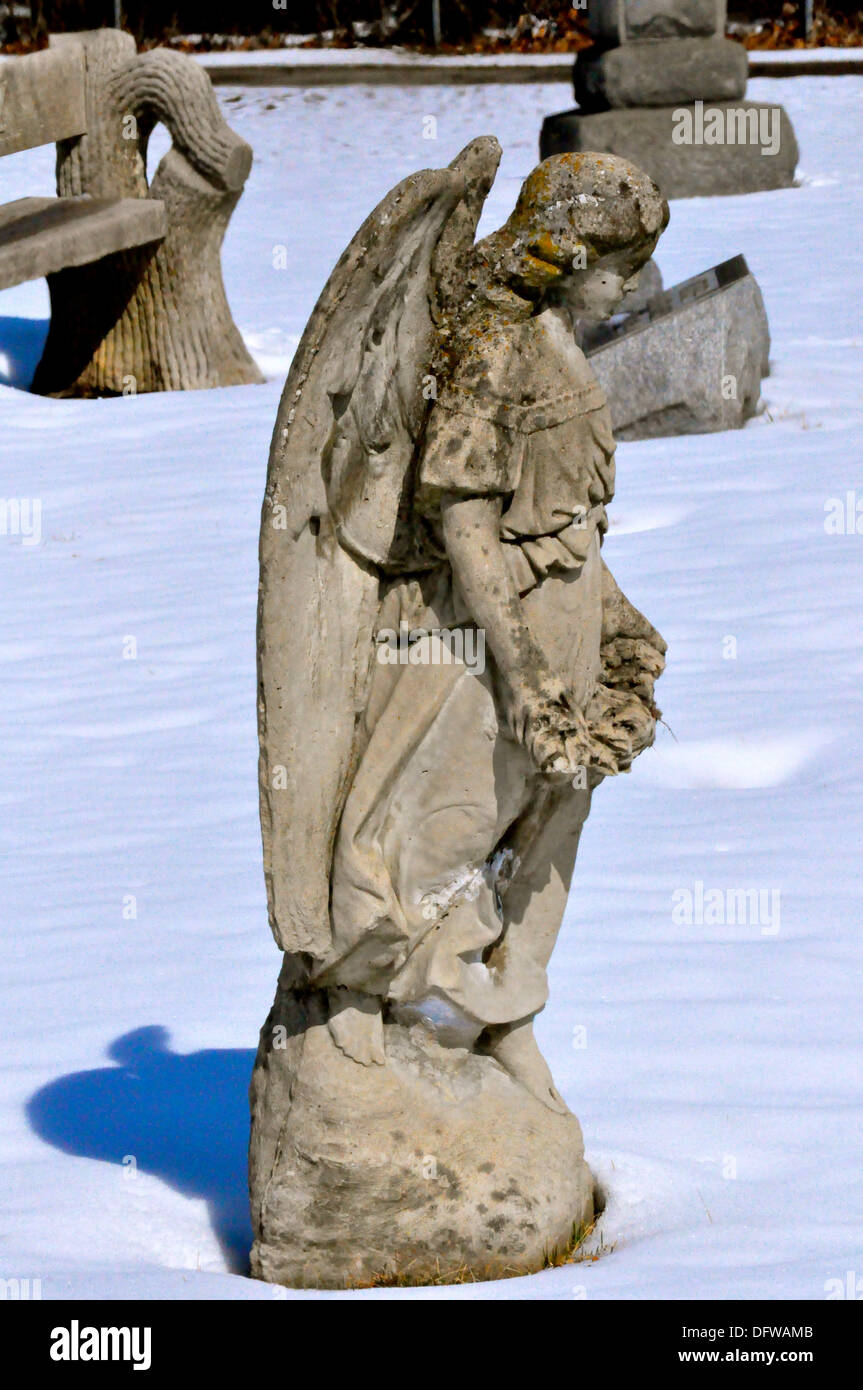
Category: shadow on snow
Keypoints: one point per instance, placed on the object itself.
(21, 344)
(184, 1118)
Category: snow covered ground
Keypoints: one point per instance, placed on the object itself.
(716, 1068)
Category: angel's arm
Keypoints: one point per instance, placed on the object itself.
(536, 704)
(471, 532)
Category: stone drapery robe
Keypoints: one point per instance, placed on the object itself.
(445, 805)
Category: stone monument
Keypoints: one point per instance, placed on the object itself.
(447, 671)
(688, 360)
(664, 88)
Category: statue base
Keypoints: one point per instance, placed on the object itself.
(433, 1167)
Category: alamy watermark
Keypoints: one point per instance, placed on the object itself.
(850, 1288)
(77, 1343)
(843, 516)
(727, 125)
(727, 907)
(435, 646)
(20, 1290)
(22, 517)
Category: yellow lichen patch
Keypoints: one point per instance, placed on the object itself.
(547, 249)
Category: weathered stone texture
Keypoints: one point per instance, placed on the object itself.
(617, 21)
(41, 99)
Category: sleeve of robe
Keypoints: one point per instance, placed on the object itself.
(469, 447)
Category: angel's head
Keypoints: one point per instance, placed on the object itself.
(582, 228)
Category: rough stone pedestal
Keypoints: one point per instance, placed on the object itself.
(425, 1169)
(646, 137)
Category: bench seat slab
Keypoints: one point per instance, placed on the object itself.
(39, 236)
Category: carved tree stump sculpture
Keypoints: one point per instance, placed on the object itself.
(155, 318)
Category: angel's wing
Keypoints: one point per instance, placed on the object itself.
(336, 514)
(477, 164)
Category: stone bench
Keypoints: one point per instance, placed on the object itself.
(39, 236)
(134, 272)
(42, 102)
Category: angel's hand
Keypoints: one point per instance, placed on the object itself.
(546, 721)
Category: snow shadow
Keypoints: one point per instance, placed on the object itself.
(183, 1118)
(21, 344)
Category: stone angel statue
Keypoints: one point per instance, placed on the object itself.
(441, 464)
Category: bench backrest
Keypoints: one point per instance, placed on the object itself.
(41, 98)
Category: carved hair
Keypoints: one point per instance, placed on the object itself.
(573, 210)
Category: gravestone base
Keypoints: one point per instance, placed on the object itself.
(433, 1167)
(688, 364)
(644, 136)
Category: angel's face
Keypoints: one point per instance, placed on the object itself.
(596, 293)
